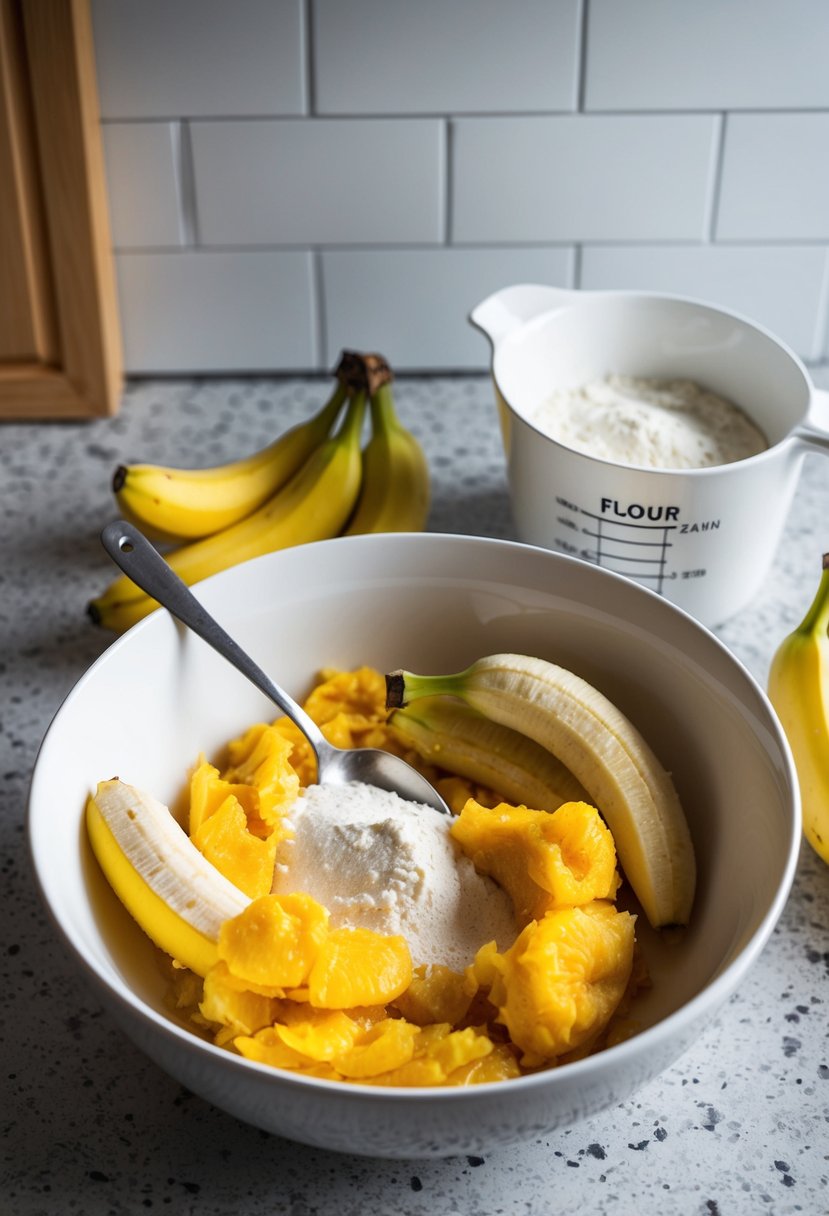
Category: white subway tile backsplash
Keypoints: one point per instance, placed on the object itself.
(288, 177)
(445, 56)
(778, 286)
(707, 55)
(775, 177)
(318, 181)
(572, 178)
(142, 180)
(157, 59)
(217, 312)
(412, 305)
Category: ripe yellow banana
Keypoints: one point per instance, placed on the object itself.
(314, 505)
(177, 897)
(462, 741)
(184, 504)
(603, 750)
(798, 687)
(395, 492)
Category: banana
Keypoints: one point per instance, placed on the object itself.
(183, 504)
(603, 750)
(395, 491)
(177, 897)
(463, 741)
(314, 505)
(798, 688)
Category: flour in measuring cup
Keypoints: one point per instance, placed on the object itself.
(658, 424)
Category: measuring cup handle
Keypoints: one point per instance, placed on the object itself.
(512, 307)
(814, 431)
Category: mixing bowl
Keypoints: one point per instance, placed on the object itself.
(159, 696)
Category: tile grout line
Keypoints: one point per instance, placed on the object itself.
(306, 34)
(186, 184)
(319, 329)
(448, 182)
(581, 58)
(715, 189)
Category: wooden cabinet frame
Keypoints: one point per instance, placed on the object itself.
(60, 345)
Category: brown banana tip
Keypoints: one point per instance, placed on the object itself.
(119, 477)
(378, 372)
(93, 612)
(826, 561)
(395, 690)
(351, 371)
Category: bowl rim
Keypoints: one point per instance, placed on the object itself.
(674, 1026)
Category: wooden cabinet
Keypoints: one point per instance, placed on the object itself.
(60, 349)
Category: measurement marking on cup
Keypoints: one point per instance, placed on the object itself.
(612, 534)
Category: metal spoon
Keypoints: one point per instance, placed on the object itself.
(131, 550)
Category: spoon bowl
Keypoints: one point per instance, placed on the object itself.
(133, 553)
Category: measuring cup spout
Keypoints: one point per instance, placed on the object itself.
(813, 432)
(506, 310)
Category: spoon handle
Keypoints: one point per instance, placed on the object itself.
(131, 550)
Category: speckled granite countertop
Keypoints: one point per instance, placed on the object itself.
(739, 1125)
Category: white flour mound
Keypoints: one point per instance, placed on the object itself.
(379, 862)
(658, 424)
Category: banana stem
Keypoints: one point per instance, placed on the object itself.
(383, 414)
(352, 424)
(403, 687)
(816, 619)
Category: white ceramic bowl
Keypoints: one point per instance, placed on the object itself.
(158, 696)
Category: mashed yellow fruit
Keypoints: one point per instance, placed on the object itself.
(296, 991)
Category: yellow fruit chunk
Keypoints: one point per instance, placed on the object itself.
(387, 1045)
(246, 860)
(301, 756)
(209, 791)
(542, 859)
(499, 1064)
(559, 984)
(266, 1047)
(350, 709)
(359, 967)
(275, 941)
(319, 1034)
(436, 994)
(243, 1012)
(361, 692)
(457, 1048)
(420, 1073)
(261, 758)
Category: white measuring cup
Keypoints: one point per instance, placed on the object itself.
(702, 538)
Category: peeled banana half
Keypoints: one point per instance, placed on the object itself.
(603, 750)
(798, 687)
(174, 893)
(462, 741)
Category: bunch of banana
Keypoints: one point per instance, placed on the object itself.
(311, 484)
(798, 687)
(187, 504)
(457, 738)
(314, 504)
(601, 748)
(174, 893)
